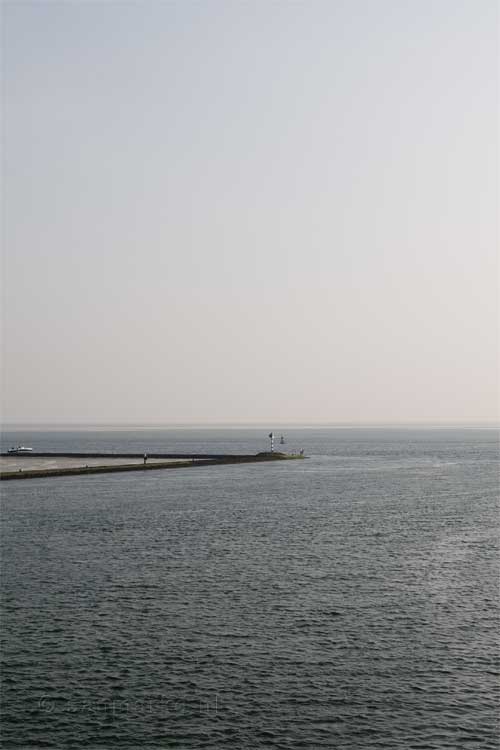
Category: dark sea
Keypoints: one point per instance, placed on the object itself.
(346, 601)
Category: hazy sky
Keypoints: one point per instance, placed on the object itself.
(250, 212)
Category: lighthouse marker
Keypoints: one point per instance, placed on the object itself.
(271, 437)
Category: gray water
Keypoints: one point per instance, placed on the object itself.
(347, 601)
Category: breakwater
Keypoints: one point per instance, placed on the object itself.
(113, 455)
(171, 461)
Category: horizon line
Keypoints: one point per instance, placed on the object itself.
(492, 424)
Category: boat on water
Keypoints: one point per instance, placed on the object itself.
(20, 449)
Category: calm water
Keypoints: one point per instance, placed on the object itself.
(347, 601)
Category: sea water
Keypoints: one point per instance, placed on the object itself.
(349, 600)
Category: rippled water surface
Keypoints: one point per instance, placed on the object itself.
(346, 601)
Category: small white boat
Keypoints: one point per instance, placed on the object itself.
(20, 449)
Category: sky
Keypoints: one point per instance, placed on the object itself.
(259, 212)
